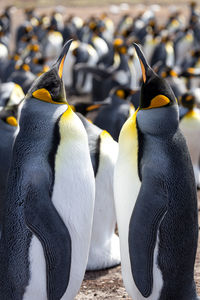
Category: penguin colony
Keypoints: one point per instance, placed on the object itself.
(66, 180)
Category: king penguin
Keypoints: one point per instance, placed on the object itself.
(190, 126)
(155, 198)
(8, 129)
(104, 246)
(49, 202)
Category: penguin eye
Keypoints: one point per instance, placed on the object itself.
(158, 101)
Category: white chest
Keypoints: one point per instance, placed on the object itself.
(126, 189)
(73, 196)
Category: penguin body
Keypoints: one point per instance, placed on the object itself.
(155, 197)
(190, 126)
(50, 198)
(10, 94)
(22, 77)
(104, 246)
(164, 53)
(80, 82)
(8, 131)
(52, 45)
(183, 46)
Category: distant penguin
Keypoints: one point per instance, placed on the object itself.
(190, 126)
(183, 45)
(104, 247)
(52, 44)
(164, 52)
(22, 76)
(176, 83)
(8, 129)
(112, 117)
(10, 94)
(48, 209)
(79, 82)
(106, 78)
(155, 198)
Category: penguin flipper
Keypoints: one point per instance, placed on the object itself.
(147, 215)
(44, 221)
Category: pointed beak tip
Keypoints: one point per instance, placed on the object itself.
(61, 59)
(143, 62)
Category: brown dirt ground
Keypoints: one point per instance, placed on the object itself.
(105, 284)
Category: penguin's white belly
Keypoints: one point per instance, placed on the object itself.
(73, 197)
(104, 247)
(191, 131)
(126, 192)
(126, 189)
(36, 289)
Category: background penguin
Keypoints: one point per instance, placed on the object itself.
(22, 76)
(190, 126)
(112, 117)
(176, 83)
(79, 82)
(104, 246)
(155, 197)
(10, 94)
(49, 201)
(106, 78)
(8, 129)
(164, 52)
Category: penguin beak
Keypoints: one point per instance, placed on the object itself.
(60, 61)
(144, 65)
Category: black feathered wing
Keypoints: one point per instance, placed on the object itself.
(149, 210)
(43, 220)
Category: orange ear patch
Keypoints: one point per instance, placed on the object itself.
(42, 94)
(92, 107)
(158, 101)
(12, 121)
(120, 94)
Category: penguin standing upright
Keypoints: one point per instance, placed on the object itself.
(112, 116)
(48, 209)
(190, 126)
(11, 96)
(155, 198)
(104, 247)
(8, 129)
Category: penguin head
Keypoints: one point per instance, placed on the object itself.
(10, 94)
(120, 45)
(85, 107)
(49, 87)
(158, 110)
(122, 92)
(9, 115)
(188, 100)
(168, 72)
